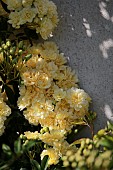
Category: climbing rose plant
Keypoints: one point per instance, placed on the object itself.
(42, 106)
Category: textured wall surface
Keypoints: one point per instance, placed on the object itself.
(85, 35)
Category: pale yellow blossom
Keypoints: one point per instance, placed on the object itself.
(14, 19)
(30, 77)
(60, 59)
(26, 3)
(48, 51)
(42, 6)
(78, 99)
(42, 108)
(31, 135)
(30, 117)
(52, 98)
(51, 138)
(27, 14)
(59, 94)
(43, 81)
(4, 112)
(53, 156)
(40, 15)
(28, 95)
(66, 78)
(14, 4)
(46, 27)
(4, 109)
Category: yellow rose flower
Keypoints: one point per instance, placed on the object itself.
(43, 81)
(53, 156)
(78, 99)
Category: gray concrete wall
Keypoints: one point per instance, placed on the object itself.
(85, 35)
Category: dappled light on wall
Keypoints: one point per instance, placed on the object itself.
(108, 112)
(87, 27)
(104, 12)
(105, 46)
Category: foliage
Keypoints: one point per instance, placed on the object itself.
(93, 154)
(23, 155)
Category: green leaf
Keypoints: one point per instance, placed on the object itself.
(29, 145)
(18, 146)
(106, 143)
(6, 149)
(35, 164)
(20, 45)
(4, 167)
(4, 6)
(109, 125)
(15, 60)
(110, 138)
(10, 94)
(44, 162)
(26, 58)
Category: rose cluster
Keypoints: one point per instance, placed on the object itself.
(50, 96)
(40, 15)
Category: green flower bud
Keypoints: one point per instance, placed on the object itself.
(90, 160)
(87, 141)
(64, 158)
(71, 158)
(23, 137)
(106, 154)
(69, 153)
(10, 57)
(13, 50)
(101, 132)
(82, 144)
(65, 163)
(86, 152)
(98, 162)
(97, 144)
(106, 164)
(90, 146)
(79, 158)
(94, 153)
(20, 52)
(3, 46)
(73, 165)
(8, 43)
(20, 45)
(81, 163)
(0, 49)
